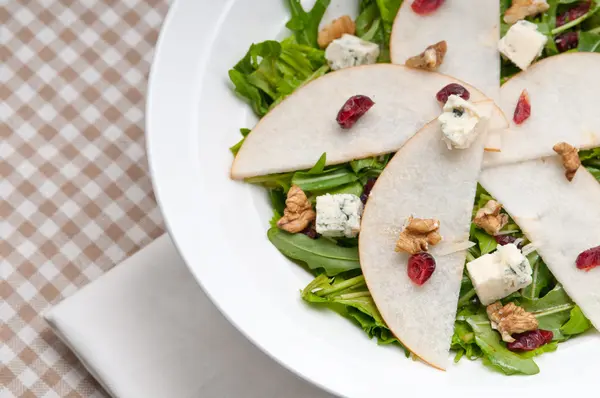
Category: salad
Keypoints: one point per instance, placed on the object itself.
(389, 208)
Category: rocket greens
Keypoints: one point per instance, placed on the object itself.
(272, 70)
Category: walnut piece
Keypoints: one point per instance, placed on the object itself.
(520, 9)
(431, 58)
(335, 30)
(418, 234)
(298, 213)
(489, 218)
(510, 319)
(570, 158)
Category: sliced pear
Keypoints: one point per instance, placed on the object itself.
(295, 134)
(426, 180)
(472, 49)
(471, 32)
(563, 91)
(560, 218)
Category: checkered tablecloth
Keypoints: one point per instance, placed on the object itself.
(76, 195)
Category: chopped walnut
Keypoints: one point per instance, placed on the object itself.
(298, 213)
(510, 319)
(418, 234)
(335, 30)
(489, 218)
(520, 9)
(431, 58)
(570, 158)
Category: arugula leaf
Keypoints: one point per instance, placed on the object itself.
(280, 180)
(541, 277)
(577, 323)
(496, 355)
(589, 154)
(352, 299)
(595, 172)
(589, 42)
(375, 21)
(319, 166)
(316, 253)
(271, 70)
(305, 25)
(551, 311)
(487, 243)
(326, 180)
(354, 188)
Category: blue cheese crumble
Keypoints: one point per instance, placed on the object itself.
(339, 215)
(349, 50)
(459, 122)
(500, 274)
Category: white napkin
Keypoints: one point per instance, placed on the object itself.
(146, 329)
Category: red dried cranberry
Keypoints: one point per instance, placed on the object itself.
(420, 267)
(573, 13)
(567, 41)
(353, 110)
(452, 89)
(367, 189)
(423, 7)
(504, 239)
(529, 341)
(589, 259)
(310, 231)
(523, 109)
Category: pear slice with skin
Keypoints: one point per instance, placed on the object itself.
(563, 92)
(294, 134)
(560, 218)
(425, 180)
(472, 54)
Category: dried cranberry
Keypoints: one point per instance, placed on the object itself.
(423, 7)
(420, 267)
(573, 13)
(353, 110)
(452, 89)
(367, 189)
(310, 231)
(504, 239)
(589, 259)
(567, 41)
(523, 109)
(529, 341)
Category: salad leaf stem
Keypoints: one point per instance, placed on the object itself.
(466, 297)
(575, 22)
(357, 281)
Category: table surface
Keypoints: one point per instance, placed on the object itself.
(77, 198)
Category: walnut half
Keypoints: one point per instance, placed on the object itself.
(489, 218)
(520, 9)
(418, 234)
(336, 29)
(431, 58)
(570, 158)
(298, 213)
(510, 319)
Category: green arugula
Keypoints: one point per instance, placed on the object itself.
(305, 25)
(320, 253)
(577, 323)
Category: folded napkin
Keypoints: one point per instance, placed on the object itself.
(146, 329)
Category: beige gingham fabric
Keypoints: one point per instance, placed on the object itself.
(76, 195)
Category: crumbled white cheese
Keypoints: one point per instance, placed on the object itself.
(499, 274)
(459, 122)
(339, 215)
(522, 44)
(349, 50)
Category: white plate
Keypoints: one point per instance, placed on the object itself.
(220, 225)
